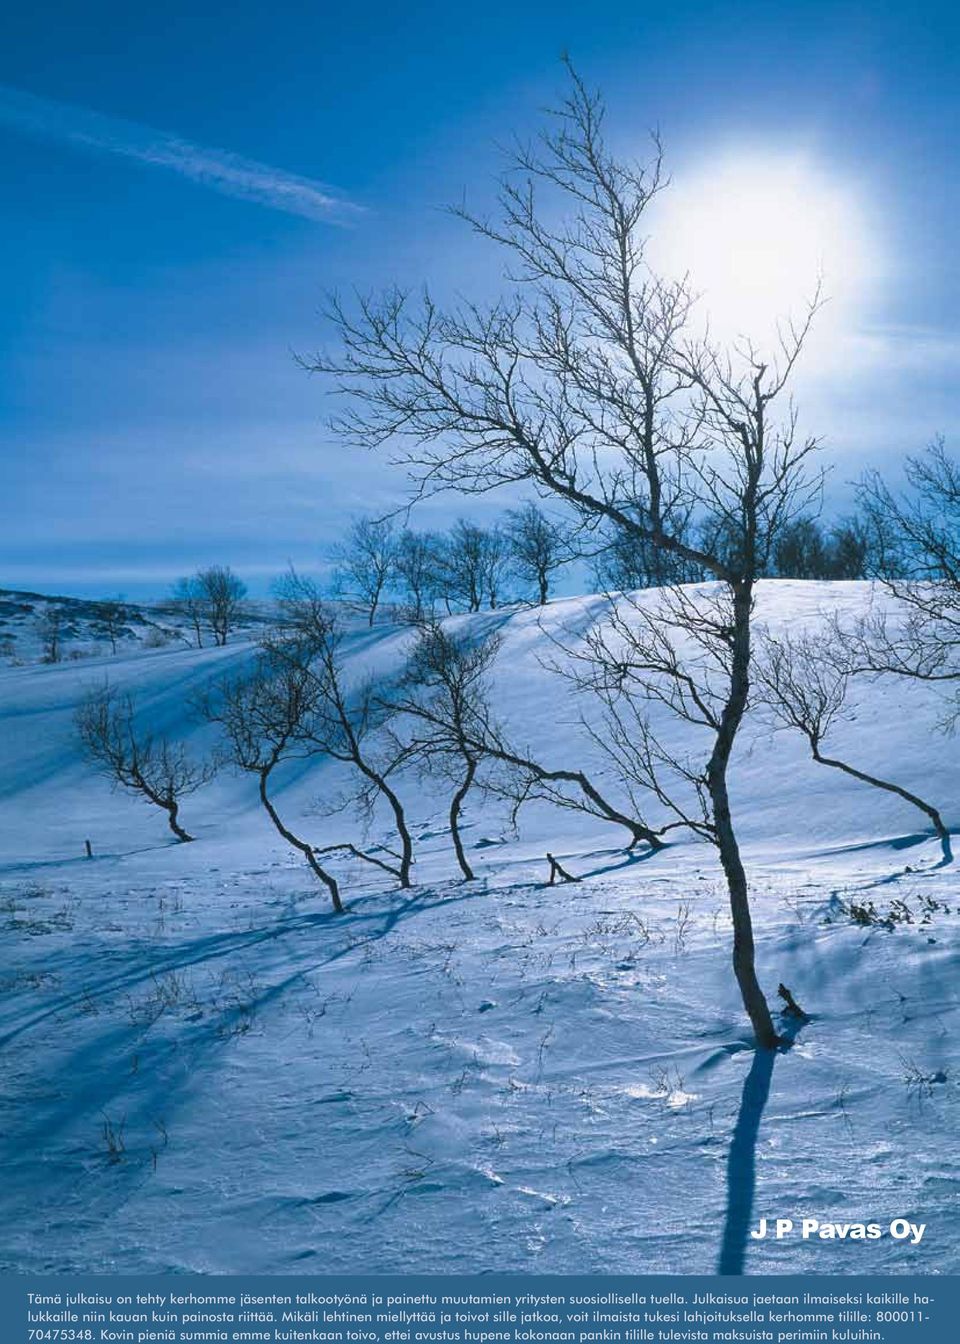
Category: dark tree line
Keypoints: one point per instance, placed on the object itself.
(469, 568)
(806, 547)
(418, 575)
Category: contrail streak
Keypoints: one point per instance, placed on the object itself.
(46, 119)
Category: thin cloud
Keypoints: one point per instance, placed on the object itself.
(231, 174)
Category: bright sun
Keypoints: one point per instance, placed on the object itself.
(755, 231)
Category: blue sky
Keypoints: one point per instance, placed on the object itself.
(180, 188)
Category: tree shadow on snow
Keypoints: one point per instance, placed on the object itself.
(628, 859)
(742, 1158)
(898, 842)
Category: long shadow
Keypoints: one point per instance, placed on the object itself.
(742, 1158)
(904, 842)
(742, 1164)
(27, 866)
(145, 965)
(946, 849)
(630, 858)
(897, 842)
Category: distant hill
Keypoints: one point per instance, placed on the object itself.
(89, 627)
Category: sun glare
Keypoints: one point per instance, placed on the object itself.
(755, 232)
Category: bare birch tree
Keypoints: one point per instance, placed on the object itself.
(805, 682)
(347, 722)
(539, 546)
(916, 538)
(472, 562)
(445, 687)
(665, 651)
(224, 594)
(112, 616)
(443, 692)
(211, 599)
(265, 718)
(464, 721)
(416, 563)
(366, 564)
(49, 625)
(143, 763)
(589, 382)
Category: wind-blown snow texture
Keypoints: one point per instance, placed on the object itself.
(485, 1076)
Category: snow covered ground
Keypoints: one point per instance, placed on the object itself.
(86, 628)
(205, 1070)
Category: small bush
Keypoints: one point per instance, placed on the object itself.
(900, 911)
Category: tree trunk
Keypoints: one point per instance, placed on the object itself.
(173, 813)
(926, 808)
(306, 850)
(744, 963)
(638, 832)
(455, 806)
(544, 589)
(406, 840)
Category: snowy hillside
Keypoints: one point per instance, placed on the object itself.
(207, 1070)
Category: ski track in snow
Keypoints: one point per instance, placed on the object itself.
(467, 1077)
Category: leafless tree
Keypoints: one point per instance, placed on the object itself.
(850, 549)
(806, 549)
(417, 562)
(188, 601)
(665, 651)
(265, 719)
(539, 545)
(224, 594)
(571, 789)
(916, 538)
(346, 722)
(49, 626)
(112, 616)
(161, 771)
(625, 561)
(494, 563)
(804, 681)
(211, 599)
(472, 562)
(443, 692)
(589, 382)
(457, 719)
(365, 564)
(801, 551)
